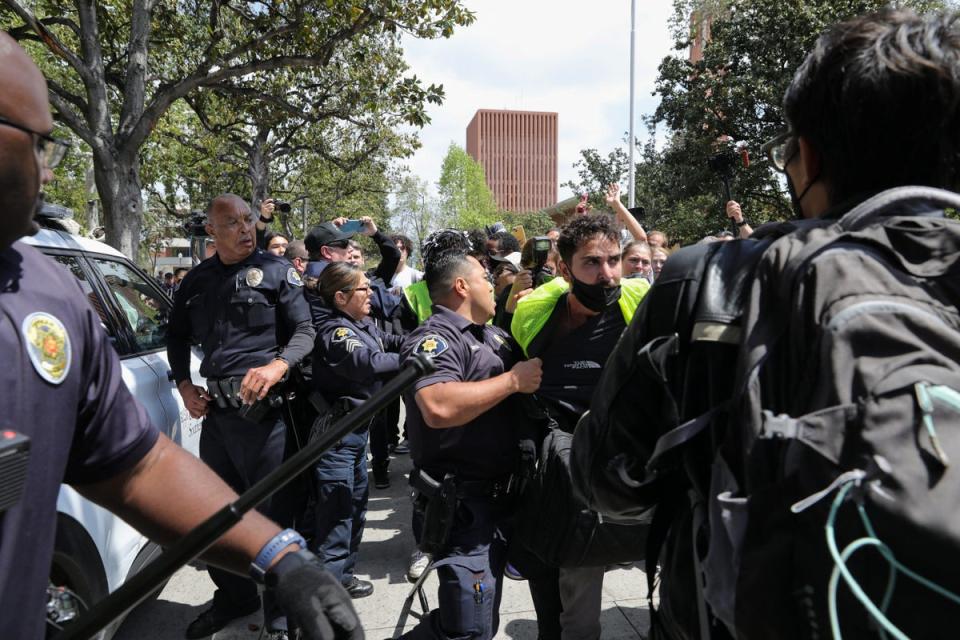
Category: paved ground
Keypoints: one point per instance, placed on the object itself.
(387, 542)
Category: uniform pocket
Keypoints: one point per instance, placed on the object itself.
(251, 308)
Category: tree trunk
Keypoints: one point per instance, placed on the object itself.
(118, 184)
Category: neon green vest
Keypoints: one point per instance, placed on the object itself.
(534, 310)
(418, 296)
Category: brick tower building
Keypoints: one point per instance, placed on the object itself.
(518, 151)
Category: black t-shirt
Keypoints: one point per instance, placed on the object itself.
(61, 385)
(572, 363)
(486, 447)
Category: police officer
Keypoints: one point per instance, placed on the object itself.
(246, 308)
(61, 385)
(352, 359)
(462, 428)
(573, 323)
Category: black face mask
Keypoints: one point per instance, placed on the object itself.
(795, 199)
(595, 297)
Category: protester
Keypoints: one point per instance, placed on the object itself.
(573, 323)
(657, 239)
(658, 258)
(637, 261)
(405, 274)
(276, 243)
(785, 399)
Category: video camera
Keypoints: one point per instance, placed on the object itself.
(282, 206)
(541, 250)
(723, 163)
(195, 225)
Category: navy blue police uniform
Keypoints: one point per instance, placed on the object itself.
(482, 454)
(61, 385)
(351, 361)
(243, 315)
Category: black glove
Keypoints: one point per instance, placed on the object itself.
(312, 598)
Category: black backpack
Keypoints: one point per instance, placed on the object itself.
(818, 499)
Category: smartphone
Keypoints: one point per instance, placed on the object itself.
(351, 226)
(519, 234)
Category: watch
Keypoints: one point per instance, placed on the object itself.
(743, 222)
(269, 551)
(265, 220)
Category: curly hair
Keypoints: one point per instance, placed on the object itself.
(583, 228)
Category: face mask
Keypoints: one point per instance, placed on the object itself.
(795, 199)
(595, 297)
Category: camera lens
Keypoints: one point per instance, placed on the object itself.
(281, 206)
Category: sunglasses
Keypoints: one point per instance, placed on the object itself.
(52, 151)
(776, 150)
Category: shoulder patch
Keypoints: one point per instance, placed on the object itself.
(293, 277)
(342, 333)
(431, 345)
(48, 345)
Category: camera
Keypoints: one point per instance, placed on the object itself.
(723, 163)
(195, 225)
(282, 206)
(541, 250)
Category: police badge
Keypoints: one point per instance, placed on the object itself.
(254, 277)
(48, 346)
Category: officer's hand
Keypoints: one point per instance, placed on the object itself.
(369, 226)
(194, 398)
(734, 212)
(256, 384)
(267, 208)
(313, 599)
(528, 375)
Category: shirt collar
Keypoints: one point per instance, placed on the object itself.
(452, 317)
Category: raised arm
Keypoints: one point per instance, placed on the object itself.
(634, 227)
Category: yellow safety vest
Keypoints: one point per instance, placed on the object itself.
(534, 309)
(418, 296)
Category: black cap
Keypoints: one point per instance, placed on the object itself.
(323, 234)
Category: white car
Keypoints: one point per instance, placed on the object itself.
(96, 551)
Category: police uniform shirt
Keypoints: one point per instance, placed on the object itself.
(243, 315)
(61, 385)
(352, 358)
(572, 363)
(486, 447)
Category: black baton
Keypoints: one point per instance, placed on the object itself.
(199, 539)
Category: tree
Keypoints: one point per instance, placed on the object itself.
(731, 97)
(465, 199)
(415, 212)
(115, 68)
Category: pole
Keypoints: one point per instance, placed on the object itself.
(631, 188)
(205, 534)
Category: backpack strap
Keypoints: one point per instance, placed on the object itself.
(878, 205)
(673, 441)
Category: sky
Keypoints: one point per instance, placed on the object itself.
(567, 56)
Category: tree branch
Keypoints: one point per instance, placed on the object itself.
(50, 40)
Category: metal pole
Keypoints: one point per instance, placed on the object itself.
(631, 189)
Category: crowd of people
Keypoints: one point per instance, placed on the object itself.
(714, 395)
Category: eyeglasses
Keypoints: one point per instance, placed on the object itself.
(355, 289)
(50, 149)
(776, 150)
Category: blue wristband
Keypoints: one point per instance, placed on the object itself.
(269, 551)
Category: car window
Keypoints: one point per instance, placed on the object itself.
(71, 263)
(144, 308)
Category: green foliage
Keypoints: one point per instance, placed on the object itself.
(465, 199)
(116, 69)
(733, 94)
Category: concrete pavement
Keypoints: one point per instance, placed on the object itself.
(387, 542)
